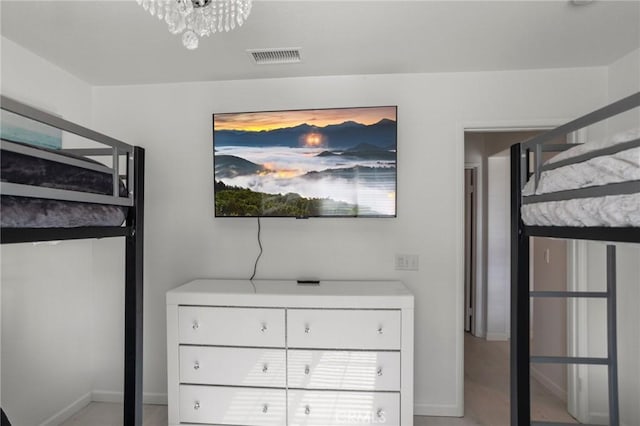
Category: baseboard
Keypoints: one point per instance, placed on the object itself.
(118, 397)
(67, 412)
(437, 410)
(155, 398)
(549, 384)
(497, 336)
(602, 419)
(599, 418)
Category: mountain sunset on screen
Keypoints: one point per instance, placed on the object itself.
(264, 121)
(306, 163)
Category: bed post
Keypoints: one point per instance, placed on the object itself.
(520, 392)
(133, 299)
(612, 336)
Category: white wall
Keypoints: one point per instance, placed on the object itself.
(184, 241)
(624, 80)
(549, 316)
(47, 311)
(498, 248)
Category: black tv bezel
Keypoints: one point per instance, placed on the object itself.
(357, 216)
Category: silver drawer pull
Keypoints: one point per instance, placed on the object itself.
(307, 410)
(380, 413)
(306, 370)
(263, 328)
(265, 368)
(307, 329)
(196, 325)
(379, 372)
(380, 331)
(265, 408)
(196, 405)
(196, 365)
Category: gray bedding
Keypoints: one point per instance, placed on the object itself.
(24, 212)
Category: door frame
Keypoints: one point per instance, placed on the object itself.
(461, 128)
(478, 325)
(577, 335)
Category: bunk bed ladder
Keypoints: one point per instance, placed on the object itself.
(611, 361)
(520, 320)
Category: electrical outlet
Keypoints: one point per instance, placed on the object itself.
(407, 262)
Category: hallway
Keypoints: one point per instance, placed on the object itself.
(486, 390)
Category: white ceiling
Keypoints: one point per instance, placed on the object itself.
(117, 42)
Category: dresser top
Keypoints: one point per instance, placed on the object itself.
(288, 293)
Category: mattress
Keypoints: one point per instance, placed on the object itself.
(26, 212)
(607, 167)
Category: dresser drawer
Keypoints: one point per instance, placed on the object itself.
(343, 329)
(344, 370)
(231, 326)
(233, 366)
(232, 406)
(328, 408)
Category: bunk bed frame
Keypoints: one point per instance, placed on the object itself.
(132, 230)
(521, 154)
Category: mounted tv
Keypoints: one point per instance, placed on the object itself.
(337, 162)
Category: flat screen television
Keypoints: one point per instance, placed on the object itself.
(338, 162)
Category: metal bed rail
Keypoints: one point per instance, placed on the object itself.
(534, 148)
(132, 230)
(116, 149)
(520, 234)
(537, 145)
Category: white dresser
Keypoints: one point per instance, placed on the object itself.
(277, 353)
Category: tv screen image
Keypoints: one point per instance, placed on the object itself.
(337, 162)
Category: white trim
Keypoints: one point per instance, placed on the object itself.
(577, 333)
(573, 383)
(532, 280)
(67, 412)
(601, 418)
(442, 410)
(458, 407)
(107, 396)
(598, 417)
(549, 384)
(479, 304)
(513, 126)
(118, 397)
(154, 398)
(507, 225)
(498, 337)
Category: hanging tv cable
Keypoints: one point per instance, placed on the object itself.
(255, 266)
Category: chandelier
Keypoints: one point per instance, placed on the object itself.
(198, 18)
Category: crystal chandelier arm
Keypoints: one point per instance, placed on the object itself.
(198, 18)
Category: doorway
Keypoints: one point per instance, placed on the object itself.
(487, 284)
(486, 261)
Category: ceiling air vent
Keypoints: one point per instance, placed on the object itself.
(290, 55)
